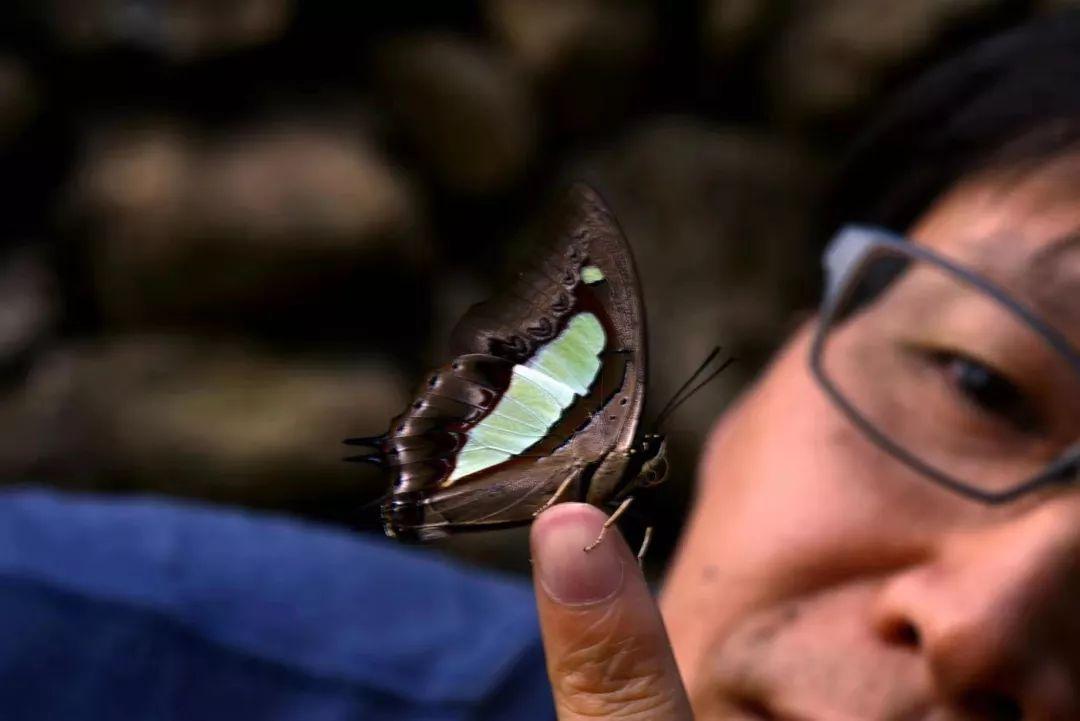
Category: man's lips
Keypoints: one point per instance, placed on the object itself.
(753, 698)
(758, 709)
(749, 708)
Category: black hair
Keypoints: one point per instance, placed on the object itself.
(1011, 100)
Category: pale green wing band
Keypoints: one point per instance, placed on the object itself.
(539, 393)
(573, 357)
(591, 274)
(558, 391)
(471, 460)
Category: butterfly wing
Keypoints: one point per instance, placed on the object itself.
(547, 382)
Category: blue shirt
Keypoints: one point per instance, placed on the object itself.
(151, 609)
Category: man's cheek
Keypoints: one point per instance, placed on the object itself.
(787, 501)
(798, 522)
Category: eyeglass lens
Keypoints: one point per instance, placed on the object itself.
(950, 374)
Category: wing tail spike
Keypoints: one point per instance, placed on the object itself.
(372, 458)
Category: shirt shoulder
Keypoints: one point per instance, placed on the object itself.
(249, 613)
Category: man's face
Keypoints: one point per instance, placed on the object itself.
(821, 578)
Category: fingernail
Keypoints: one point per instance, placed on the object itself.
(569, 574)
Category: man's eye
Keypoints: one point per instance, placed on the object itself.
(988, 390)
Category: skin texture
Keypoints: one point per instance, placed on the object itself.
(821, 578)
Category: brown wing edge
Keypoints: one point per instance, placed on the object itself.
(610, 250)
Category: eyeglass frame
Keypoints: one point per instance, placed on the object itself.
(847, 254)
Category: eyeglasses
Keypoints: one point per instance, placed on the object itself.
(946, 371)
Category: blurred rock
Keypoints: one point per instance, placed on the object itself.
(461, 107)
(1053, 6)
(242, 226)
(18, 97)
(719, 221)
(730, 26)
(178, 29)
(835, 53)
(585, 56)
(193, 418)
(284, 184)
(28, 305)
(545, 35)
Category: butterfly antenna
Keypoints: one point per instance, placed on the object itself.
(708, 359)
(690, 393)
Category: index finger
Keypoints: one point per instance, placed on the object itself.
(608, 654)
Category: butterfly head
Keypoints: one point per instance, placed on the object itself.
(654, 465)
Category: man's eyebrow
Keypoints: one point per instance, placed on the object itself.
(1054, 280)
(1058, 246)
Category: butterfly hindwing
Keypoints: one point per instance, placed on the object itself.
(546, 383)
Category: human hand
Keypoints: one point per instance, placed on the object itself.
(608, 655)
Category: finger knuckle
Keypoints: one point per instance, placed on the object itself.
(607, 676)
(625, 707)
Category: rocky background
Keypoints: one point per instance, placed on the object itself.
(234, 232)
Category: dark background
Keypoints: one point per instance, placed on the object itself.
(234, 232)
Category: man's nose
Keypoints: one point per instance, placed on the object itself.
(995, 613)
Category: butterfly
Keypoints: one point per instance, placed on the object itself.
(541, 401)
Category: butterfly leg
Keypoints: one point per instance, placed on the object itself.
(559, 492)
(639, 519)
(644, 546)
(610, 522)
